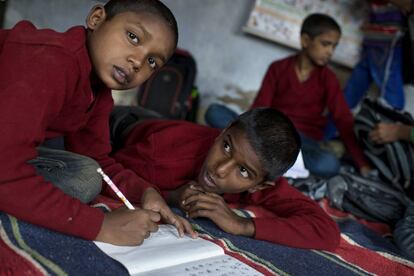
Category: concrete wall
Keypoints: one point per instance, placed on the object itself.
(231, 64)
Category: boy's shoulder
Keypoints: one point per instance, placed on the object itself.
(24, 32)
(168, 133)
(283, 63)
(280, 191)
(170, 140)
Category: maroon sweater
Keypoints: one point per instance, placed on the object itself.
(307, 103)
(45, 92)
(171, 153)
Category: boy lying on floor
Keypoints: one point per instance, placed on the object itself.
(203, 171)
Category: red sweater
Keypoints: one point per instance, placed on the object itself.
(45, 92)
(171, 153)
(307, 103)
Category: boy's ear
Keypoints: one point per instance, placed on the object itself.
(261, 186)
(304, 40)
(95, 17)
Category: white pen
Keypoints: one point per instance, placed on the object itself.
(115, 189)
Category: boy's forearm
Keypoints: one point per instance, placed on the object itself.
(319, 232)
(246, 227)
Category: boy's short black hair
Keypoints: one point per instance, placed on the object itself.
(273, 137)
(318, 23)
(156, 7)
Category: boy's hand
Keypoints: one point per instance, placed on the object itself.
(152, 200)
(177, 197)
(366, 171)
(213, 206)
(128, 227)
(390, 132)
(385, 133)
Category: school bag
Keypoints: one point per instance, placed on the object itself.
(171, 91)
(394, 161)
(367, 198)
(124, 118)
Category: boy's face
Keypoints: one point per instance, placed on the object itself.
(320, 49)
(128, 48)
(232, 166)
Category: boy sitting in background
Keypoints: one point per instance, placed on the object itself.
(59, 85)
(306, 90)
(204, 172)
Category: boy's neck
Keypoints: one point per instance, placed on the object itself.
(303, 67)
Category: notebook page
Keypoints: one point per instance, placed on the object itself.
(162, 249)
(214, 266)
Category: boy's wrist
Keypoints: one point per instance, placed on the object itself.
(247, 227)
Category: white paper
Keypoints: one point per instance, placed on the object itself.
(165, 252)
(220, 265)
(298, 169)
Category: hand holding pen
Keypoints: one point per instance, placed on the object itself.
(126, 226)
(152, 200)
(115, 189)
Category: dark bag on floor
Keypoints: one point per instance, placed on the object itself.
(394, 161)
(171, 91)
(369, 199)
(123, 118)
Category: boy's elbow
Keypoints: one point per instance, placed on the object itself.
(327, 235)
(332, 237)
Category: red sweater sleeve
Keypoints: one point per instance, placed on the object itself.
(343, 118)
(33, 87)
(296, 220)
(267, 92)
(93, 141)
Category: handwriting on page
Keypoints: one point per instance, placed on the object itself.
(217, 266)
(165, 253)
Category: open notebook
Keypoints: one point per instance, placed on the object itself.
(164, 253)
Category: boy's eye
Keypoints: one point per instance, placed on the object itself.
(152, 62)
(243, 172)
(133, 37)
(226, 147)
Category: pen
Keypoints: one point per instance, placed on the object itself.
(115, 189)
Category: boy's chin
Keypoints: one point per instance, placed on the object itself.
(116, 86)
(321, 62)
(112, 84)
(318, 63)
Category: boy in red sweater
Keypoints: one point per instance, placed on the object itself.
(59, 85)
(306, 90)
(206, 173)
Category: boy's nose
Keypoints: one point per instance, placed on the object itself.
(223, 168)
(135, 62)
(331, 50)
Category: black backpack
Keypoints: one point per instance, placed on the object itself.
(124, 118)
(394, 161)
(171, 91)
(370, 199)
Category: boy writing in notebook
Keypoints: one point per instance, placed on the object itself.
(205, 173)
(59, 85)
(306, 90)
